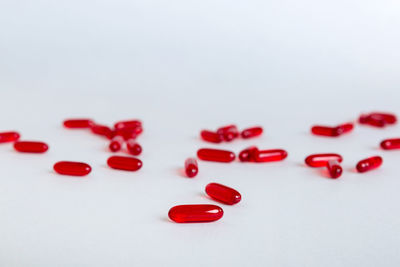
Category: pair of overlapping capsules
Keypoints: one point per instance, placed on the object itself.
(23, 146)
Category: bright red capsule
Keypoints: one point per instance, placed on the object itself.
(133, 147)
(248, 154)
(116, 143)
(270, 155)
(195, 213)
(9, 137)
(78, 123)
(210, 136)
(217, 155)
(321, 160)
(128, 124)
(325, 131)
(251, 132)
(390, 144)
(228, 132)
(126, 133)
(124, 163)
(102, 130)
(389, 118)
(369, 164)
(344, 128)
(72, 168)
(334, 169)
(31, 146)
(191, 168)
(223, 193)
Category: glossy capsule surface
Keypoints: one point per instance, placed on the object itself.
(334, 169)
(195, 213)
(78, 123)
(72, 168)
(9, 137)
(133, 147)
(270, 155)
(102, 130)
(229, 132)
(31, 146)
(252, 132)
(223, 193)
(217, 155)
(124, 163)
(128, 124)
(116, 143)
(210, 136)
(191, 167)
(248, 154)
(325, 131)
(390, 144)
(369, 164)
(321, 160)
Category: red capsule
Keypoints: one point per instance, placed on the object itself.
(72, 168)
(195, 213)
(133, 147)
(334, 169)
(228, 132)
(191, 168)
(344, 128)
(325, 131)
(218, 155)
(321, 160)
(390, 144)
(9, 137)
(78, 123)
(102, 130)
(126, 133)
(128, 124)
(270, 155)
(116, 143)
(210, 136)
(251, 132)
(248, 154)
(31, 146)
(124, 163)
(389, 118)
(369, 164)
(223, 193)
(373, 120)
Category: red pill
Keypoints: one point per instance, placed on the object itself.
(334, 169)
(373, 120)
(126, 133)
(390, 144)
(72, 168)
(31, 146)
(387, 117)
(369, 164)
(217, 155)
(78, 123)
(124, 163)
(223, 193)
(9, 137)
(210, 136)
(270, 155)
(128, 124)
(321, 160)
(195, 213)
(252, 132)
(248, 154)
(228, 132)
(344, 128)
(191, 168)
(325, 131)
(102, 130)
(133, 147)
(116, 143)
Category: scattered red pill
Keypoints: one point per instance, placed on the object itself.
(102, 130)
(248, 154)
(195, 213)
(390, 144)
(387, 117)
(369, 164)
(334, 169)
(133, 147)
(378, 119)
(126, 133)
(223, 193)
(128, 124)
(78, 123)
(210, 136)
(321, 160)
(116, 143)
(191, 168)
(228, 132)
(270, 155)
(124, 163)
(31, 146)
(252, 132)
(217, 155)
(72, 168)
(9, 137)
(325, 131)
(344, 128)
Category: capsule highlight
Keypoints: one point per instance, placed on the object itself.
(270, 155)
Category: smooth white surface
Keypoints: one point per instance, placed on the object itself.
(182, 66)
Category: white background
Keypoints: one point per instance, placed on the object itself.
(182, 66)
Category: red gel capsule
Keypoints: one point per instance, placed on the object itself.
(124, 163)
(270, 155)
(373, 120)
(116, 143)
(334, 169)
(78, 123)
(248, 154)
(126, 133)
(133, 147)
(344, 128)
(72, 168)
(325, 131)
(9, 137)
(321, 160)
(390, 144)
(31, 147)
(251, 132)
(217, 155)
(191, 168)
(195, 213)
(128, 124)
(223, 193)
(102, 130)
(387, 117)
(210, 136)
(369, 164)
(228, 132)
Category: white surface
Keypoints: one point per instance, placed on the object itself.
(181, 66)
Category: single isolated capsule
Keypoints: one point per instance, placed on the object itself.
(102, 130)
(228, 132)
(325, 131)
(195, 213)
(369, 164)
(210, 136)
(31, 146)
(78, 123)
(248, 154)
(390, 144)
(124, 163)
(223, 193)
(334, 169)
(6, 137)
(191, 168)
(321, 160)
(72, 168)
(116, 143)
(133, 147)
(217, 155)
(128, 124)
(252, 132)
(270, 155)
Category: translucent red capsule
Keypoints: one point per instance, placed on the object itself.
(133, 147)
(325, 131)
(78, 123)
(344, 128)
(210, 136)
(223, 193)
(378, 119)
(31, 146)
(116, 143)
(126, 133)
(251, 132)
(334, 169)
(217, 155)
(124, 163)
(321, 160)
(9, 137)
(228, 132)
(128, 124)
(102, 130)
(195, 213)
(270, 155)
(191, 168)
(390, 144)
(369, 164)
(248, 154)
(72, 168)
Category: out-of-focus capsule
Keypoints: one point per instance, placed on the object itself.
(116, 143)
(78, 123)
(321, 160)
(133, 147)
(126, 133)
(325, 131)
(72, 168)
(128, 124)
(344, 128)
(252, 132)
(228, 132)
(191, 168)
(223, 193)
(270, 155)
(31, 146)
(378, 119)
(9, 137)
(248, 154)
(389, 118)
(369, 164)
(334, 169)
(217, 155)
(390, 144)
(195, 213)
(210, 136)
(102, 130)
(124, 163)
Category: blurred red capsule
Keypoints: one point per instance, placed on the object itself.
(133, 147)
(6, 137)
(102, 130)
(210, 136)
(321, 160)
(191, 168)
(78, 123)
(252, 132)
(270, 155)
(217, 155)
(369, 164)
(31, 146)
(248, 154)
(334, 169)
(390, 144)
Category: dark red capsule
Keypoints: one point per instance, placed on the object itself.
(78, 123)
(191, 168)
(252, 132)
(72, 168)
(390, 144)
(210, 136)
(31, 146)
(124, 163)
(217, 155)
(128, 124)
(102, 130)
(195, 213)
(373, 120)
(334, 169)
(133, 147)
(369, 164)
(325, 131)
(116, 143)
(387, 117)
(321, 160)
(223, 193)
(344, 128)
(228, 132)
(270, 155)
(9, 137)
(248, 154)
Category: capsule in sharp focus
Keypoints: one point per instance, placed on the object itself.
(195, 213)
(124, 163)
(217, 155)
(223, 193)
(31, 146)
(72, 168)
